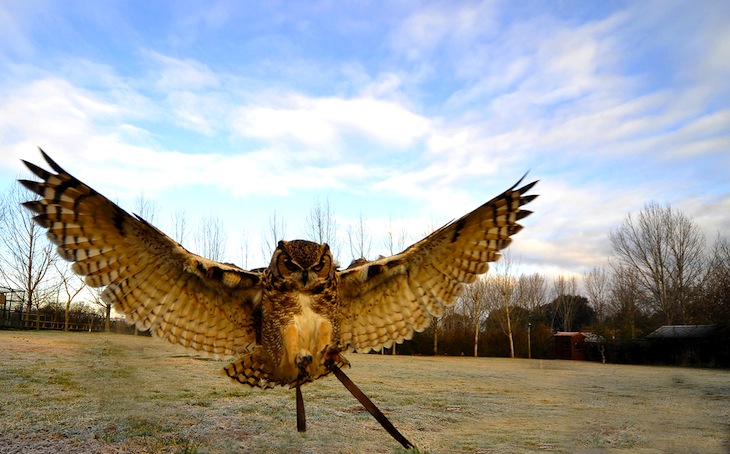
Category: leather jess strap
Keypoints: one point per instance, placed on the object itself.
(301, 416)
(361, 397)
(370, 406)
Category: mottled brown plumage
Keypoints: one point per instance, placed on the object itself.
(286, 323)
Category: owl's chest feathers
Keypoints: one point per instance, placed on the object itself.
(305, 311)
(297, 325)
(309, 324)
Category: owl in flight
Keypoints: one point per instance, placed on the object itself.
(289, 323)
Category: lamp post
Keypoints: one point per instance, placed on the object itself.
(529, 340)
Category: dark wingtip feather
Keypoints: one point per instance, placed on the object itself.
(51, 162)
(522, 214)
(526, 187)
(520, 181)
(34, 206)
(513, 230)
(43, 220)
(33, 186)
(524, 200)
(37, 171)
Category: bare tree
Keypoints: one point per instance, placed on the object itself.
(716, 300)
(272, 235)
(359, 239)
(532, 294)
(666, 249)
(322, 225)
(145, 208)
(244, 249)
(473, 300)
(502, 297)
(3, 212)
(27, 254)
(396, 238)
(72, 284)
(596, 283)
(210, 239)
(563, 287)
(532, 291)
(626, 298)
(179, 226)
(107, 307)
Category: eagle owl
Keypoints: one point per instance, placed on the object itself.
(288, 323)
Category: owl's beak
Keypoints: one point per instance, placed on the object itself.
(305, 277)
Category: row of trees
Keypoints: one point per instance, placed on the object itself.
(660, 272)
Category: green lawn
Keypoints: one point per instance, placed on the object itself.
(89, 392)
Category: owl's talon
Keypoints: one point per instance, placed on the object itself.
(303, 360)
(333, 357)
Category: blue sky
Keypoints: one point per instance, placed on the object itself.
(402, 114)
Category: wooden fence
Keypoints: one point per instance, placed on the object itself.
(18, 319)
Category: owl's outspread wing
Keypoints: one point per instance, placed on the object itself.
(159, 285)
(310, 310)
(387, 300)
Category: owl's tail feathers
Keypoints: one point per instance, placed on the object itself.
(249, 370)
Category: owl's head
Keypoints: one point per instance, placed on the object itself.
(302, 264)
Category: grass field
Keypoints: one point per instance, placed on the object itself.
(88, 392)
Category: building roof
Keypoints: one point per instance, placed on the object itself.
(566, 333)
(682, 332)
(588, 336)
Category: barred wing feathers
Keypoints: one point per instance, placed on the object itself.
(387, 300)
(158, 285)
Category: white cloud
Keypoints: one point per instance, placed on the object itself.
(323, 122)
(714, 62)
(568, 232)
(284, 124)
(451, 107)
(73, 125)
(50, 111)
(197, 112)
(434, 27)
(181, 74)
(709, 211)
(13, 17)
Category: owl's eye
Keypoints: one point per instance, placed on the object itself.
(291, 266)
(320, 266)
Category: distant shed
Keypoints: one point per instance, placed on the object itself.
(685, 345)
(683, 332)
(569, 345)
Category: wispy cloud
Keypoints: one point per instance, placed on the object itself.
(421, 114)
(172, 74)
(324, 122)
